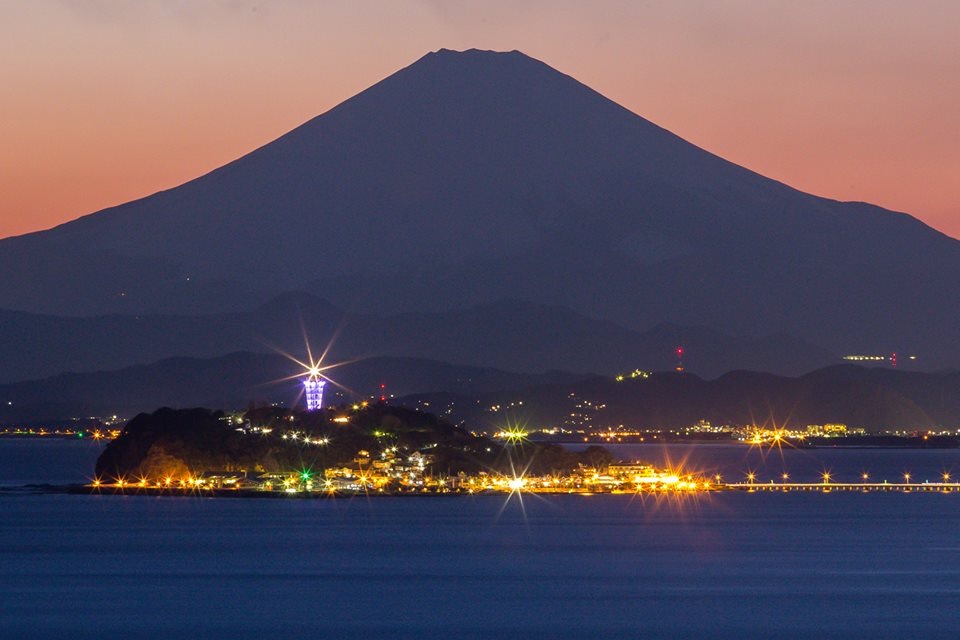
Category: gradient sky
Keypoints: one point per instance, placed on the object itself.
(105, 101)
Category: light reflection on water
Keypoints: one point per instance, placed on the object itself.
(728, 565)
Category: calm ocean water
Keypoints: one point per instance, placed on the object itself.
(731, 565)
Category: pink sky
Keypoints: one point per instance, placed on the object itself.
(106, 101)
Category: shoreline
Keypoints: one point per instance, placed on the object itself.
(167, 492)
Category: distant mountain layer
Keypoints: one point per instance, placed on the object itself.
(238, 380)
(875, 399)
(509, 335)
(471, 177)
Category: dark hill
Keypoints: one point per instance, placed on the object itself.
(511, 335)
(476, 176)
(875, 399)
(237, 380)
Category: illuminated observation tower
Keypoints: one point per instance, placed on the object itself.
(313, 389)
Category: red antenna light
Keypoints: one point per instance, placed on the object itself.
(383, 393)
(679, 367)
(893, 359)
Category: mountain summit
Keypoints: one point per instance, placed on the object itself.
(474, 176)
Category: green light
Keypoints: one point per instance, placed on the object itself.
(305, 475)
(79, 434)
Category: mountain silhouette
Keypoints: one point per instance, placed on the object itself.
(508, 334)
(237, 380)
(875, 399)
(471, 177)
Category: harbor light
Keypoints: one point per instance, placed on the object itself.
(513, 435)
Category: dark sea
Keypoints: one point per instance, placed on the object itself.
(721, 565)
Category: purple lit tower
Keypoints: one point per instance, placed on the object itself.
(313, 390)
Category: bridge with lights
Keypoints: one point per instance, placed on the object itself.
(943, 487)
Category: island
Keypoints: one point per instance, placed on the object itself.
(379, 449)
(366, 447)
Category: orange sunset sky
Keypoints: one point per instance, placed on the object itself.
(105, 101)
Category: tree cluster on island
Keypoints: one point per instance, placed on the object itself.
(177, 443)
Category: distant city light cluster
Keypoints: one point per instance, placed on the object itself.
(512, 434)
(584, 412)
(891, 358)
(636, 373)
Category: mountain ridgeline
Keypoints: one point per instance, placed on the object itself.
(473, 177)
(875, 399)
(510, 334)
(238, 380)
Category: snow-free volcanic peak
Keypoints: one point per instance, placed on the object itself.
(474, 176)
